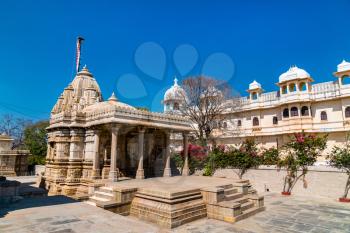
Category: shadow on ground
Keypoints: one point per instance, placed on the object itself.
(32, 202)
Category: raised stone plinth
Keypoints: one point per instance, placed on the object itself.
(174, 201)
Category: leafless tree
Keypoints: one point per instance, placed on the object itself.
(207, 104)
(14, 127)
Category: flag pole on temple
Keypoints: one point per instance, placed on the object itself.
(79, 42)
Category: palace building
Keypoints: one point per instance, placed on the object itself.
(299, 104)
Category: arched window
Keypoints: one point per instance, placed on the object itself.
(274, 120)
(254, 96)
(225, 125)
(239, 123)
(294, 111)
(302, 86)
(176, 106)
(323, 116)
(345, 80)
(284, 90)
(286, 113)
(255, 121)
(347, 112)
(292, 87)
(305, 111)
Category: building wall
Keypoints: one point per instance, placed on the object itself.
(321, 181)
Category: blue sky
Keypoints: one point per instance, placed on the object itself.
(261, 38)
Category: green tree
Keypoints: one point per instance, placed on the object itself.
(35, 140)
(302, 151)
(340, 158)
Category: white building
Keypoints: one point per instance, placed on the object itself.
(271, 117)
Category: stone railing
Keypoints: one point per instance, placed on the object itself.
(318, 91)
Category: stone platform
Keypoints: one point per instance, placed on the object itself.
(174, 201)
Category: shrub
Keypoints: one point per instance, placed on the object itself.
(242, 159)
(302, 151)
(270, 156)
(197, 157)
(340, 158)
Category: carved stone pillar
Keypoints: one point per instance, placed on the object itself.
(185, 169)
(167, 169)
(96, 159)
(113, 172)
(76, 145)
(140, 173)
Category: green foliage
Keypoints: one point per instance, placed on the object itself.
(242, 159)
(177, 158)
(302, 151)
(270, 156)
(340, 158)
(35, 140)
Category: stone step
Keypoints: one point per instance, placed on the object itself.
(230, 191)
(90, 203)
(191, 217)
(226, 186)
(247, 205)
(105, 189)
(173, 201)
(250, 212)
(233, 196)
(192, 206)
(105, 195)
(242, 200)
(94, 198)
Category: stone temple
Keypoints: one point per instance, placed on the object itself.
(91, 139)
(104, 151)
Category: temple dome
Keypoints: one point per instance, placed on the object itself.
(293, 73)
(343, 66)
(254, 85)
(84, 80)
(110, 103)
(175, 92)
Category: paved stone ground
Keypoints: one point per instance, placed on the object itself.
(285, 214)
(59, 214)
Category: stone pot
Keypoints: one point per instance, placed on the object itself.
(286, 193)
(344, 199)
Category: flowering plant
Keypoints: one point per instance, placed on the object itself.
(340, 158)
(302, 151)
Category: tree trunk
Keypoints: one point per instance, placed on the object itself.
(347, 187)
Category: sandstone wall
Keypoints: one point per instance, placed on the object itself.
(322, 181)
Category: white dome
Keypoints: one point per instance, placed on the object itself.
(174, 93)
(293, 73)
(343, 66)
(110, 103)
(254, 85)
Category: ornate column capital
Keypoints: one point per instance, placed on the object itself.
(141, 129)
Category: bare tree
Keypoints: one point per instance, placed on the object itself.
(14, 127)
(207, 104)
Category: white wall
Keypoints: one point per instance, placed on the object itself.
(322, 181)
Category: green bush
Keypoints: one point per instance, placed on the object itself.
(270, 156)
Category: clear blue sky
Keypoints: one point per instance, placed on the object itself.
(263, 38)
